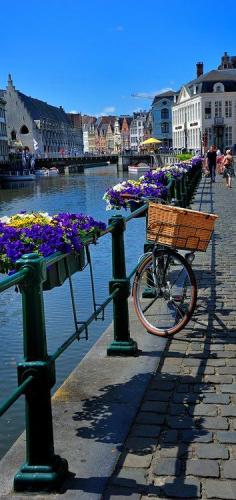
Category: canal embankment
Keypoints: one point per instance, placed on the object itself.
(92, 413)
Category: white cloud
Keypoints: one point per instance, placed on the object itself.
(151, 94)
(107, 111)
(73, 112)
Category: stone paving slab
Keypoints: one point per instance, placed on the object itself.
(194, 455)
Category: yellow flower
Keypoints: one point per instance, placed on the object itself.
(27, 220)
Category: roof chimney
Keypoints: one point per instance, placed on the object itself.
(199, 66)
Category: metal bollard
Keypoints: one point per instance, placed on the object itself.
(122, 343)
(43, 470)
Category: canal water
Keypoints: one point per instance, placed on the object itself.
(80, 193)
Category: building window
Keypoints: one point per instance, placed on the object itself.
(207, 110)
(165, 128)
(228, 136)
(218, 87)
(208, 136)
(13, 135)
(218, 109)
(164, 114)
(24, 130)
(228, 109)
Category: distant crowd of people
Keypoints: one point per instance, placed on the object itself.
(223, 164)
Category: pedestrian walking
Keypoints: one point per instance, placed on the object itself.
(219, 162)
(211, 160)
(228, 168)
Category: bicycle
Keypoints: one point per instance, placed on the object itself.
(165, 287)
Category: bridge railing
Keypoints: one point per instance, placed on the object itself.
(43, 469)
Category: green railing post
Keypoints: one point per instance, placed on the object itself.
(184, 191)
(188, 187)
(178, 192)
(171, 192)
(43, 470)
(122, 343)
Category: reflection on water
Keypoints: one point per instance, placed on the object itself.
(76, 193)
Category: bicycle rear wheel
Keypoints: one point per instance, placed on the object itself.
(164, 292)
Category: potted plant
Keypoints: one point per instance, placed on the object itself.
(45, 235)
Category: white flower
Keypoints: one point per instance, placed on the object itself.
(118, 187)
(21, 216)
(44, 214)
(5, 219)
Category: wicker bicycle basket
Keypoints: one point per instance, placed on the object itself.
(179, 227)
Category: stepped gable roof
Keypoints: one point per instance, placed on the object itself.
(87, 120)
(128, 119)
(108, 120)
(102, 129)
(40, 110)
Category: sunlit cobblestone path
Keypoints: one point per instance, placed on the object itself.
(183, 441)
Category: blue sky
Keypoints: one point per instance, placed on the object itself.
(90, 56)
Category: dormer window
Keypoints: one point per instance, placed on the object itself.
(218, 87)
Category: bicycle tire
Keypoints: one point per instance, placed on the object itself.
(146, 266)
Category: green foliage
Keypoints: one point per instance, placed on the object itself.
(184, 156)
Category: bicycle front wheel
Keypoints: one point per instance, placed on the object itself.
(164, 292)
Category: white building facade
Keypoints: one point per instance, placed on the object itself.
(137, 128)
(204, 112)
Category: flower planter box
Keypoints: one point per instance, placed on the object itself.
(57, 273)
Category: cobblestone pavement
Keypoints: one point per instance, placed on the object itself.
(183, 441)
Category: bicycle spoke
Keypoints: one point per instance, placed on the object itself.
(164, 292)
(177, 278)
(165, 269)
(179, 308)
(149, 305)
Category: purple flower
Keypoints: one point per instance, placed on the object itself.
(65, 234)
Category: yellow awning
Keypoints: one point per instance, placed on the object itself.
(151, 140)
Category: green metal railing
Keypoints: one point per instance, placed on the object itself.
(43, 469)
